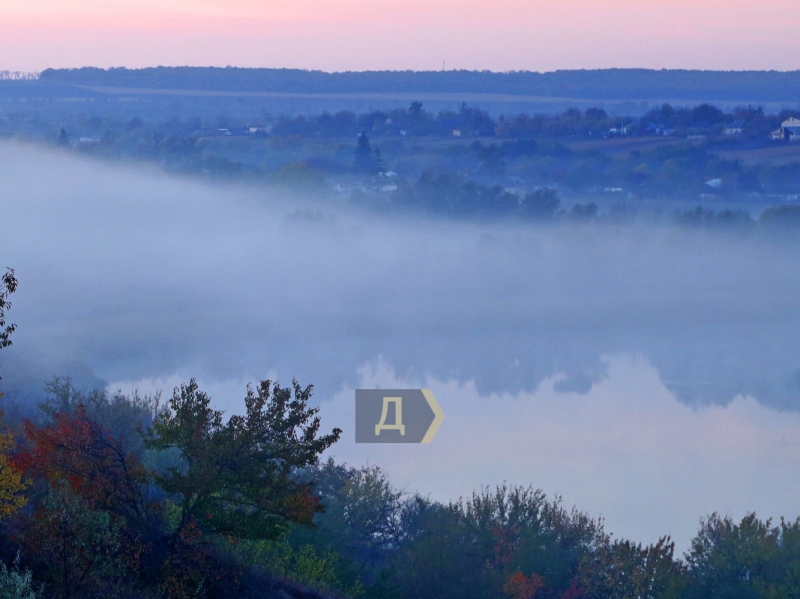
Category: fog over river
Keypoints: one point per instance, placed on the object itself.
(647, 373)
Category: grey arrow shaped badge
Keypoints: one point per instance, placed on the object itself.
(397, 416)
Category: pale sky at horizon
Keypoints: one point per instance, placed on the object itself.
(337, 35)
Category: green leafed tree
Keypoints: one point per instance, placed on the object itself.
(364, 159)
(239, 478)
(16, 583)
(622, 570)
(542, 204)
(748, 559)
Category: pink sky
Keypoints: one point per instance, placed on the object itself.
(338, 35)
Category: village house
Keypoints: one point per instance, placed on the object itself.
(734, 128)
(790, 130)
(618, 131)
(659, 130)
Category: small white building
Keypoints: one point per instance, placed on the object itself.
(789, 131)
(621, 130)
(735, 128)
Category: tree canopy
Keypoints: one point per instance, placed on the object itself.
(239, 478)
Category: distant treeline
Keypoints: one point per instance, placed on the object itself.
(670, 151)
(605, 84)
(519, 153)
(453, 195)
(667, 120)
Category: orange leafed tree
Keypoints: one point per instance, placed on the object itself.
(90, 506)
(78, 451)
(519, 586)
(573, 592)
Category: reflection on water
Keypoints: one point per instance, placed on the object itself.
(625, 450)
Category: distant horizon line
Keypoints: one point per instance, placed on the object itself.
(460, 70)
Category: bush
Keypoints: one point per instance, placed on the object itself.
(16, 584)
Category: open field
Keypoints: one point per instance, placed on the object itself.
(617, 148)
(775, 155)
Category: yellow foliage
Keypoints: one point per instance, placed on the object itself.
(11, 483)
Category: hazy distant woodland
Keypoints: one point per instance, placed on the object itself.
(458, 159)
(607, 84)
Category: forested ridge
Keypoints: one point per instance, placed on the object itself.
(394, 160)
(601, 84)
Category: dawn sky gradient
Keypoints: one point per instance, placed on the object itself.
(337, 35)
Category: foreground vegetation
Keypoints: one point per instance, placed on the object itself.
(111, 495)
(197, 507)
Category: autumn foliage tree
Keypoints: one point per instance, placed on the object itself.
(622, 569)
(78, 451)
(519, 586)
(12, 484)
(90, 508)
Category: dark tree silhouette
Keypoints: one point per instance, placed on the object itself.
(8, 285)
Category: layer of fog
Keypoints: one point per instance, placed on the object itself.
(129, 274)
(133, 278)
